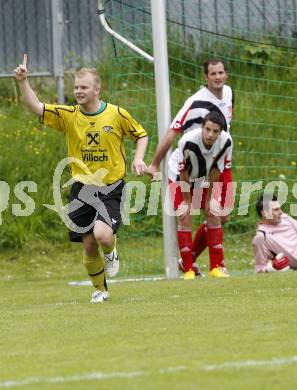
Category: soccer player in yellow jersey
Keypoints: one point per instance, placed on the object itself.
(94, 132)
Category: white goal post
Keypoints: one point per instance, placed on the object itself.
(164, 120)
(161, 71)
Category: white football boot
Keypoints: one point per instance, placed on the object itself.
(99, 296)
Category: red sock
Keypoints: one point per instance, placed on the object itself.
(227, 196)
(199, 242)
(214, 238)
(184, 238)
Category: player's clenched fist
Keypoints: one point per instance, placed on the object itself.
(21, 71)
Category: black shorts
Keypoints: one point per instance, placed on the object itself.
(90, 203)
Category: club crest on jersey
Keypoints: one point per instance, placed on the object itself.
(92, 138)
(108, 129)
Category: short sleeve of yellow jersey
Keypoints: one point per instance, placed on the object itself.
(130, 126)
(57, 116)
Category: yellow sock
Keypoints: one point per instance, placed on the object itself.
(108, 249)
(95, 269)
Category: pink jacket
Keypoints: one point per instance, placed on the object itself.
(273, 239)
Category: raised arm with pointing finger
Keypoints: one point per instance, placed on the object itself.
(29, 96)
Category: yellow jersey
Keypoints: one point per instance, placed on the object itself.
(96, 140)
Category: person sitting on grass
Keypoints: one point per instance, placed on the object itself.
(275, 241)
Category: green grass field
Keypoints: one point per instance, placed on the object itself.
(238, 333)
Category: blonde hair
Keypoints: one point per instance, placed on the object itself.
(92, 71)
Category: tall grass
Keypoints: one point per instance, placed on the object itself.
(29, 152)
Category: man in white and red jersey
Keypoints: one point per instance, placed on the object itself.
(215, 96)
(275, 241)
(203, 152)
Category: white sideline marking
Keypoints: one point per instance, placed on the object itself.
(86, 377)
(252, 363)
(133, 374)
(114, 281)
(147, 279)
